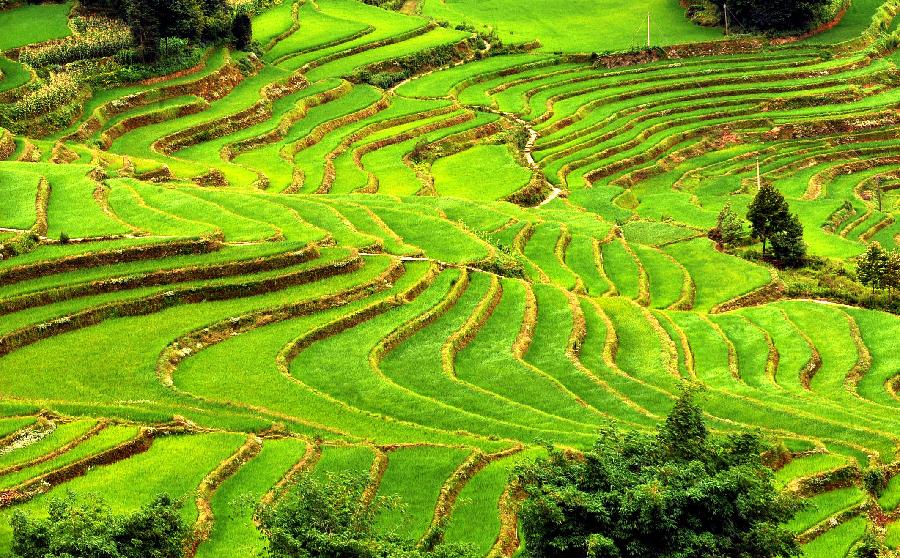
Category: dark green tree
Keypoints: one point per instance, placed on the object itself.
(768, 213)
(788, 246)
(681, 492)
(891, 278)
(242, 31)
(775, 15)
(143, 20)
(181, 18)
(88, 528)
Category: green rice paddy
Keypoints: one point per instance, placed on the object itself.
(425, 283)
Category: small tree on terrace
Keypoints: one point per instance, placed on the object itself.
(877, 190)
(768, 213)
(892, 272)
(680, 493)
(872, 267)
(729, 230)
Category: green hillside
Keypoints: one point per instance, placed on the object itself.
(421, 244)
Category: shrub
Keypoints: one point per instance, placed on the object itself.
(680, 492)
(87, 527)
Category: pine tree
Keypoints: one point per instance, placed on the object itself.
(768, 213)
(787, 243)
(873, 266)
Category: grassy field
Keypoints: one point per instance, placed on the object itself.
(501, 250)
(560, 27)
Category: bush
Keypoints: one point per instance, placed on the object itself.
(87, 527)
(680, 492)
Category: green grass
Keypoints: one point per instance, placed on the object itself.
(808, 466)
(561, 27)
(836, 541)
(621, 268)
(430, 466)
(821, 507)
(175, 464)
(13, 74)
(273, 22)
(486, 172)
(108, 438)
(19, 190)
(541, 250)
(234, 533)
(474, 519)
(62, 435)
(19, 28)
(890, 498)
(718, 277)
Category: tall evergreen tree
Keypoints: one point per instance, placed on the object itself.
(788, 246)
(768, 213)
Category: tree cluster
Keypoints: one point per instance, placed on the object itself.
(154, 21)
(879, 268)
(89, 528)
(333, 519)
(680, 492)
(774, 15)
(773, 223)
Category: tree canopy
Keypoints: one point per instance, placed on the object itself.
(87, 527)
(152, 21)
(772, 221)
(677, 493)
(775, 15)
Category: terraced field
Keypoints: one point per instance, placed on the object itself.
(271, 262)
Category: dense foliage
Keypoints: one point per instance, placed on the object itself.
(879, 269)
(679, 493)
(778, 15)
(76, 528)
(772, 221)
(761, 15)
(154, 21)
(334, 519)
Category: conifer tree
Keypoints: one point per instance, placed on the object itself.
(787, 243)
(768, 213)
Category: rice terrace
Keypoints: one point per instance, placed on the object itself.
(392, 253)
